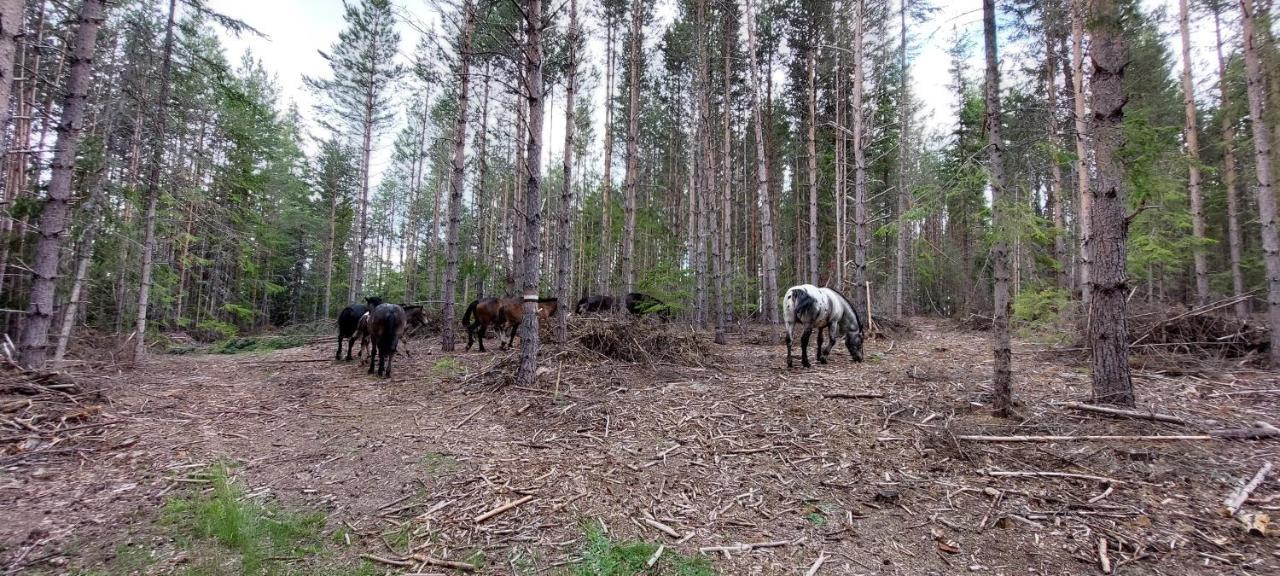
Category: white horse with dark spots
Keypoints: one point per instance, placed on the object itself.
(821, 308)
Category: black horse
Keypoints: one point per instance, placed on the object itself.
(387, 324)
(594, 303)
(349, 321)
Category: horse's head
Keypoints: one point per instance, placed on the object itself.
(547, 307)
(415, 317)
(373, 301)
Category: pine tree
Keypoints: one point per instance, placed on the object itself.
(532, 92)
(1002, 379)
(456, 179)
(1262, 167)
(564, 255)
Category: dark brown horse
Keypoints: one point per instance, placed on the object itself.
(387, 324)
(594, 303)
(415, 318)
(348, 324)
(513, 313)
(480, 315)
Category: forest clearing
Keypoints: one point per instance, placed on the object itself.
(859, 464)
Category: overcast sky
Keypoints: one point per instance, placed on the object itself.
(297, 29)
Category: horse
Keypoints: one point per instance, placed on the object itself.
(821, 308)
(640, 304)
(387, 324)
(512, 311)
(415, 318)
(348, 323)
(485, 312)
(596, 303)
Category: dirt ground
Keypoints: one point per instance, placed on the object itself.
(737, 450)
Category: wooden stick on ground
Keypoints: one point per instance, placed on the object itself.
(431, 561)
(656, 555)
(387, 561)
(502, 508)
(669, 531)
(971, 438)
(743, 547)
(822, 558)
(1142, 414)
(1237, 498)
(1104, 561)
(1036, 474)
(853, 395)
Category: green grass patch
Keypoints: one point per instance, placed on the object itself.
(227, 533)
(259, 344)
(448, 367)
(603, 556)
(438, 463)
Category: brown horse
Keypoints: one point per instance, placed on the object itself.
(415, 318)
(513, 313)
(480, 315)
(387, 324)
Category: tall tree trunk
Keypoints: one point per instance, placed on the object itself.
(527, 373)
(1002, 379)
(53, 218)
(11, 12)
(604, 282)
(517, 196)
(707, 155)
(456, 177)
(1234, 236)
(861, 238)
(811, 63)
(161, 115)
(330, 248)
(1054, 201)
(762, 175)
(1262, 166)
(633, 138)
(842, 173)
(1193, 159)
(565, 235)
(1083, 193)
(1108, 323)
(484, 210)
(904, 189)
(726, 199)
(361, 231)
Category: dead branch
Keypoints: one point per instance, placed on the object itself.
(502, 508)
(1141, 414)
(1102, 438)
(432, 561)
(1035, 474)
(853, 395)
(1237, 498)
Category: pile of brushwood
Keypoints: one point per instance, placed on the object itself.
(45, 414)
(1209, 330)
(641, 340)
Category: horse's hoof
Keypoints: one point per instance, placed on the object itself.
(806, 365)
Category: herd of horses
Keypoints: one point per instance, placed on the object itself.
(381, 325)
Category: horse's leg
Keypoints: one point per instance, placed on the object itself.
(511, 341)
(338, 356)
(484, 328)
(804, 346)
(373, 355)
(822, 358)
(789, 363)
(470, 335)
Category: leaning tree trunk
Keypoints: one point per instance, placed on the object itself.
(1002, 379)
(527, 373)
(564, 255)
(456, 179)
(1229, 177)
(1262, 166)
(811, 61)
(1193, 160)
(161, 114)
(633, 134)
(34, 340)
(1085, 198)
(1108, 325)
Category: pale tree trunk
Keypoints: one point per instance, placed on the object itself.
(564, 255)
(762, 174)
(482, 198)
(860, 236)
(1108, 325)
(604, 283)
(811, 58)
(1229, 177)
(633, 134)
(517, 197)
(842, 172)
(361, 231)
(433, 243)
(726, 193)
(53, 218)
(1262, 166)
(1055, 201)
(1084, 196)
(1002, 378)
(330, 249)
(161, 114)
(10, 27)
(904, 189)
(456, 177)
(1193, 159)
(528, 371)
(707, 155)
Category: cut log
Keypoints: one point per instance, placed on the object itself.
(1140, 414)
(1237, 498)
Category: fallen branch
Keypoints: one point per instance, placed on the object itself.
(1144, 415)
(1037, 474)
(387, 561)
(431, 561)
(1104, 561)
(853, 395)
(1086, 438)
(501, 509)
(656, 555)
(1237, 498)
(742, 547)
(822, 558)
(656, 525)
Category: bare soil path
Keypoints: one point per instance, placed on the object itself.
(857, 463)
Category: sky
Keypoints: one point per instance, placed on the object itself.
(296, 30)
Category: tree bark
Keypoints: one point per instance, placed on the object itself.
(1002, 379)
(811, 62)
(633, 134)
(1108, 323)
(904, 189)
(456, 178)
(604, 283)
(1055, 201)
(1084, 196)
(564, 255)
(11, 12)
(527, 373)
(1262, 168)
(1234, 236)
(484, 210)
(53, 219)
(762, 176)
(159, 133)
(1193, 159)
(861, 238)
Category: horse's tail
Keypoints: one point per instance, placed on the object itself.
(804, 302)
(391, 334)
(466, 316)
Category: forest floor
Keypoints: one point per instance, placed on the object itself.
(607, 460)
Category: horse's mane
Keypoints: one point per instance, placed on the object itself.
(856, 316)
